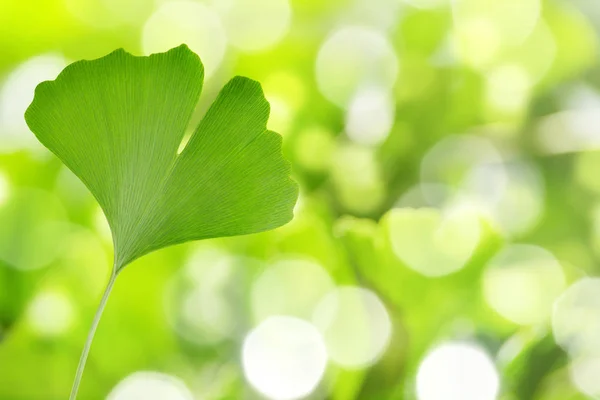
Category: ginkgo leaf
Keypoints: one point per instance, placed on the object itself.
(117, 122)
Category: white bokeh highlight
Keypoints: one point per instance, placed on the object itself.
(254, 25)
(432, 242)
(522, 282)
(576, 318)
(508, 88)
(574, 128)
(189, 22)
(584, 372)
(427, 4)
(290, 287)
(150, 386)
(353, 58)
(379, 14)
(483, 29)
(457, 371)
(50, 313)
(370, 116)
(284, 358)
(521, 206)
(355, 324)
(130, 12)
(514, 19)
(508, 191)
(17, 93)
(468, 164)
(204, 303)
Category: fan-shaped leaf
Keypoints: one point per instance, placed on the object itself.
(117, 123)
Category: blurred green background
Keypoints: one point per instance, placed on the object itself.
(444, 245)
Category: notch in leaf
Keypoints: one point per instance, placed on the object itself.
(117, 122)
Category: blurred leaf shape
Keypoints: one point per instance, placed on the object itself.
(117, 122)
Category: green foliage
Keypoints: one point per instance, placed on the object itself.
(117, 123)
(529, 95)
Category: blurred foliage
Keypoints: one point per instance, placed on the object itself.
(475, 127)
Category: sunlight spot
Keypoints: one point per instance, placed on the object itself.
(477, 42)
(50, 313)
(536, 55)
(284, 358)
(519, 209)
(428, 4)
(131, 12)
(469, 164)
(205, 303)
(93, 13)
(514, 20)
(255, 25)
(576, 318)
(584, 372)
(370, 116)
(286, 94)
(355, 324)
(432, 242)
(150, 386)
(509, 194)
(15, 96)
(522, 282)
(379, 14)
(429, 195)
(575, 128)
(189, 22)
(457, 371)
(290, 287)
(353, 58)
(508, 88)
(281, 115)
(287, 85)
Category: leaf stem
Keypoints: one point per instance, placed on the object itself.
(90, 337)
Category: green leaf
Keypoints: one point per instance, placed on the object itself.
(117, 123)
